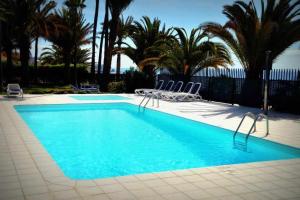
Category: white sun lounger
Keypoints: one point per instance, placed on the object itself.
(142, 91)
(89, 88)
(191, 95)
(170, 96)
(86, 88)
(14, 90)
(176, 88)
(168, 87)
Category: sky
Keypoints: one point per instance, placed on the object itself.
(180, 13)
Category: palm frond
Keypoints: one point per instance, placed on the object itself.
(249, 34)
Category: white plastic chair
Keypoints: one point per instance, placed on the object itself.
(14, 90)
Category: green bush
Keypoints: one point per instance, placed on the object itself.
(48, 90)
(46, 73)
(116, 87)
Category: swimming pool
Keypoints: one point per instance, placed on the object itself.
(107, 140)
(100, 97)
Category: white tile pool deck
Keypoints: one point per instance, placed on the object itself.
(28, 172)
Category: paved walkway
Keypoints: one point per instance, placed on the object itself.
(28, 172)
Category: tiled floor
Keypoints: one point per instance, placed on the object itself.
(28, 172)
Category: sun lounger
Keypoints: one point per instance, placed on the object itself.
(171, 96)
(87, 88)
(14, 90)
(168, 87)
(191, 95)
(142, 91)
(176, 88)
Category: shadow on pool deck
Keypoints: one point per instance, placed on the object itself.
(207, 109)
(25, 97)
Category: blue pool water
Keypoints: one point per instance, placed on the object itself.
(100, 97)
(92, 141)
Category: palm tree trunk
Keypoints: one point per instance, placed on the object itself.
(186, 73)
(24, 57)
(75, 66)
(75, 47)
(1, 70)
(150, 79)
(252, 74)
(118, 63)
(106, 68)
(111, 42)
(101, 45)
(100, 55)
(8, 48)
(251, 94)
(67, 61)
(94, 40)
(35, 59)
(9, 63)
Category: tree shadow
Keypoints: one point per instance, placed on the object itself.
(25, 97)
(6, 98)
(207, 109)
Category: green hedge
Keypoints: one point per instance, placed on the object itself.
(34, 89)
(46, 73)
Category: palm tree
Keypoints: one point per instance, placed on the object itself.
(124, 30)
(66, 39)
(116, 7)
(8, 33)
(188, 54)
(54, 55)
(63, 39)
(94, 39)
(75, 8)
(148, 38)
(28, 22)
(250, 35)
(44, 13)
(100, 54)
(104, 34)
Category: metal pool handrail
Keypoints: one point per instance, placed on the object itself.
(253, 127)
(150, 95)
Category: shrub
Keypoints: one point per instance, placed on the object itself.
(34, 89)
(116, 87)
(46, 73)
